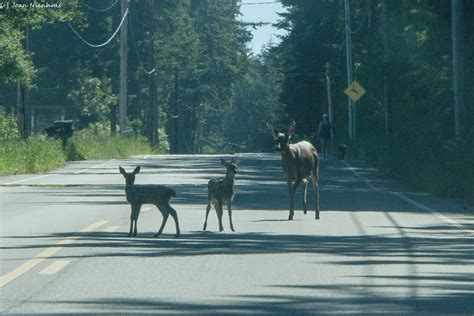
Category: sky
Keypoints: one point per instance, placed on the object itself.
(255, 11)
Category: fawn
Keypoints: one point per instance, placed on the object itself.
(300, 161)
(139, 194)
(220, 191)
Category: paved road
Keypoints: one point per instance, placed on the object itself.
(376, 250)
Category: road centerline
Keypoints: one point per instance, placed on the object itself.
(94, 167)
(43, 255)
(55, 267)
(28, 179)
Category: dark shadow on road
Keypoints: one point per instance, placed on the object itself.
(289, 304)
(260, 186)
(355, 250)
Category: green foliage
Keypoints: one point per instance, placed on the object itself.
(93, 99)
(416, 163)
(418, 68)
(8, 128)
(200, 59)
(37, 154)
(164, 145)
(96, 142)
(33, 155)
(15, 63)
(255, 102)
(314, 38)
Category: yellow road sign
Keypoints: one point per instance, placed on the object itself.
(355, 91)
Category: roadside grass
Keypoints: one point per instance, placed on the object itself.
(39, 153)
(82, 147)
(444, 170)
(34, 155)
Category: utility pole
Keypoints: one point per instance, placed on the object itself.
(369, 14)
(115, 84)
(176, 112)
(155, 140)
(23, 98)
(386, 80)
(20, 109)
(328, 86)
(350, 79)
(458, 82)
(123, 69)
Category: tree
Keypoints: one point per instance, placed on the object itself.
(92, 100)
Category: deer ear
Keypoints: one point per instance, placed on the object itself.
(122, 171)
(223, 162)
(291, 128)
(272, 130)
(137, 170)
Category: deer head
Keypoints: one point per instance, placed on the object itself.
(282, 140)
(230, 166)
(129, 177)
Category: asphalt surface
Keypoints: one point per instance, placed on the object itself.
(377, 249)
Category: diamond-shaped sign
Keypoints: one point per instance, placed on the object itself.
(355, 91)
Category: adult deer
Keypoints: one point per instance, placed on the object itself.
(139, 194)
(300, 161)
(222, 191)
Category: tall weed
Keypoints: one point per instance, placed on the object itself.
(443, 169)
(36, 154)
(96, 142)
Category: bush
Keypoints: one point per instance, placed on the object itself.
(445, 170)
(95, 142)
(36, 154)
(8, 128)
(39, 153)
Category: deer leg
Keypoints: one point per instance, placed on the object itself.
(291, 190)
(131, 227)
(208, 209)
(229, 209)
(135, 228)
(134, 219)
(131, 221)
(173, 214)
(316, 193)
(305, 201)
(295, 186)
(218, 207)
(165, 218)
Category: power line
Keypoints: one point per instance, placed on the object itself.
(338, 59)
(99, 10)
(136, 50)
(106, 42)
(361, 23)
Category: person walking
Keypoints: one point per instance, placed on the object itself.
(325, 135)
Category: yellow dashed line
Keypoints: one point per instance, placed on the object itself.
(111, 229)
(48, 252)
(93, 226)
(55, 267)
